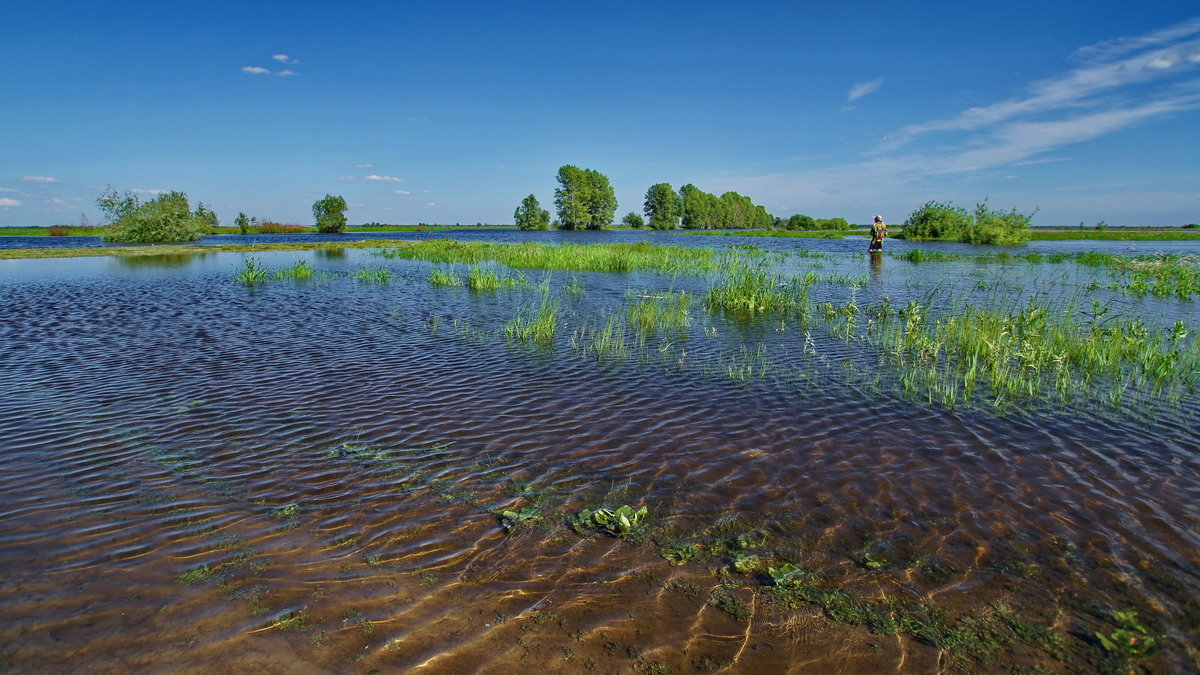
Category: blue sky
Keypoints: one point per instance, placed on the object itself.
(453, 112)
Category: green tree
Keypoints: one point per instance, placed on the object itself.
(531, 216)
(801, 222)
(663, 206)
(208, 216)
(997, 228)
(833, 224)
(633, 219)
(330, 214)
(164, 219)
(695, 207)
(242, 222)
(584, 199)
(571, 198)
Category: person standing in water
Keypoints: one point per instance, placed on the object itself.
(878, 232)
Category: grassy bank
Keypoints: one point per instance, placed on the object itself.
(806, 234)
(186, 249)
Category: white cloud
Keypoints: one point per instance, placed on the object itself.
(381, 179)
(348, 179)
(5, 201)
(861, 89)
(4, 189)
(403, 192)
(255, 70)
(138, 191)
(287, 73)
(430, 204)
(368, 165)
(282, 58)
(38, 179)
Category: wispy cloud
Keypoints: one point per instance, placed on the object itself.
(287, 73)
(38, 179)
(255, 70)
(403, 192)
(285, 59)
(861, 89)
(142, 191)
(6, 202)
(1109, 87)
(368, 165)
(381, 179)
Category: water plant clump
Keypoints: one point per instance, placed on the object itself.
(511, 520)
(377, 275)
(619, 522)
(252, 272)
(480, 279)
(536, 325)
(650, 313)
(301, 271)
(444, 277)
(748, 290)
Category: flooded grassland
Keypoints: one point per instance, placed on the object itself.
(345, 460)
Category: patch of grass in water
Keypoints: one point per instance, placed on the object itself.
(252, 272)
(536, 325)
(444, 277)
(591, 257)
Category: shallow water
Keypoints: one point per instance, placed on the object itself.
(302, 477)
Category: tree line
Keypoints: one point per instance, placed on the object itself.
(584, 200)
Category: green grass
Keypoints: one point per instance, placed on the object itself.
(447, 277)
(1115, 234)
(376, 275)
(536, 324)
(301, 271)
(252, 272)
(574, 257)
(748, 290)
(482, 279)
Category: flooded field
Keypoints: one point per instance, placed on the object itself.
(393, 464)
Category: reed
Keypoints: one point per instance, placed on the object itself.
(444, 277)
(301, 271)
(749, 290)
(480, 279)
(252, 272)
(536, 325)
(375, 275)
(649, 312)
(606, 341)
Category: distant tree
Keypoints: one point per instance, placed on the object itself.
(801, 222)
(694, 207)
(663, 206)
(584, 199)
(330, 214)
(164, 219)
(208, 216)
(242, 222)
(633, 219)
(833, 224)
(531, 216)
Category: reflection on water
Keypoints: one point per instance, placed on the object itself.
(309, 476)
(163, 260)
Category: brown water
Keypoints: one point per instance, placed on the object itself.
(330, 455)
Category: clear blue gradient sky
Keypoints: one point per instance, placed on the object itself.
(454, 111)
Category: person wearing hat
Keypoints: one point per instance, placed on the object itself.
(878, 232)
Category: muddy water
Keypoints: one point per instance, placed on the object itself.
(304, 477)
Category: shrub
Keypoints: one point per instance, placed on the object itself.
(833, 224)
(997, 228)
(800, 222)
(58, 230)
(243, 223)
(164, 219)
(273, 227)
(937, 220)
(633, 220)
(530, 215)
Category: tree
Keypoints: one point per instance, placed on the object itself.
(694, 207)
(833, 224)
(633, 219)
(242, 222)
(801, 222)
(208, 216)
(164, 219)
(663, 206)
(584, 199)
(531, 216)
(936, 220)
(330, 214)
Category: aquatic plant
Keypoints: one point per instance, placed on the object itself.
(650, 312)
(538, 326)
(252, 272)
(510, 520)
(618, 522)
(1130, 640)
(298, 272)
(593, 257)
(480, 279)
(748, 290)
(444, 277)
(379, 275)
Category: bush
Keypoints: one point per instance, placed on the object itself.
(273, 227)
(937, 220)
(165, 219)
(800, 222)
(633, 220)
(997, 228)
(833, 224)
(330, 214)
